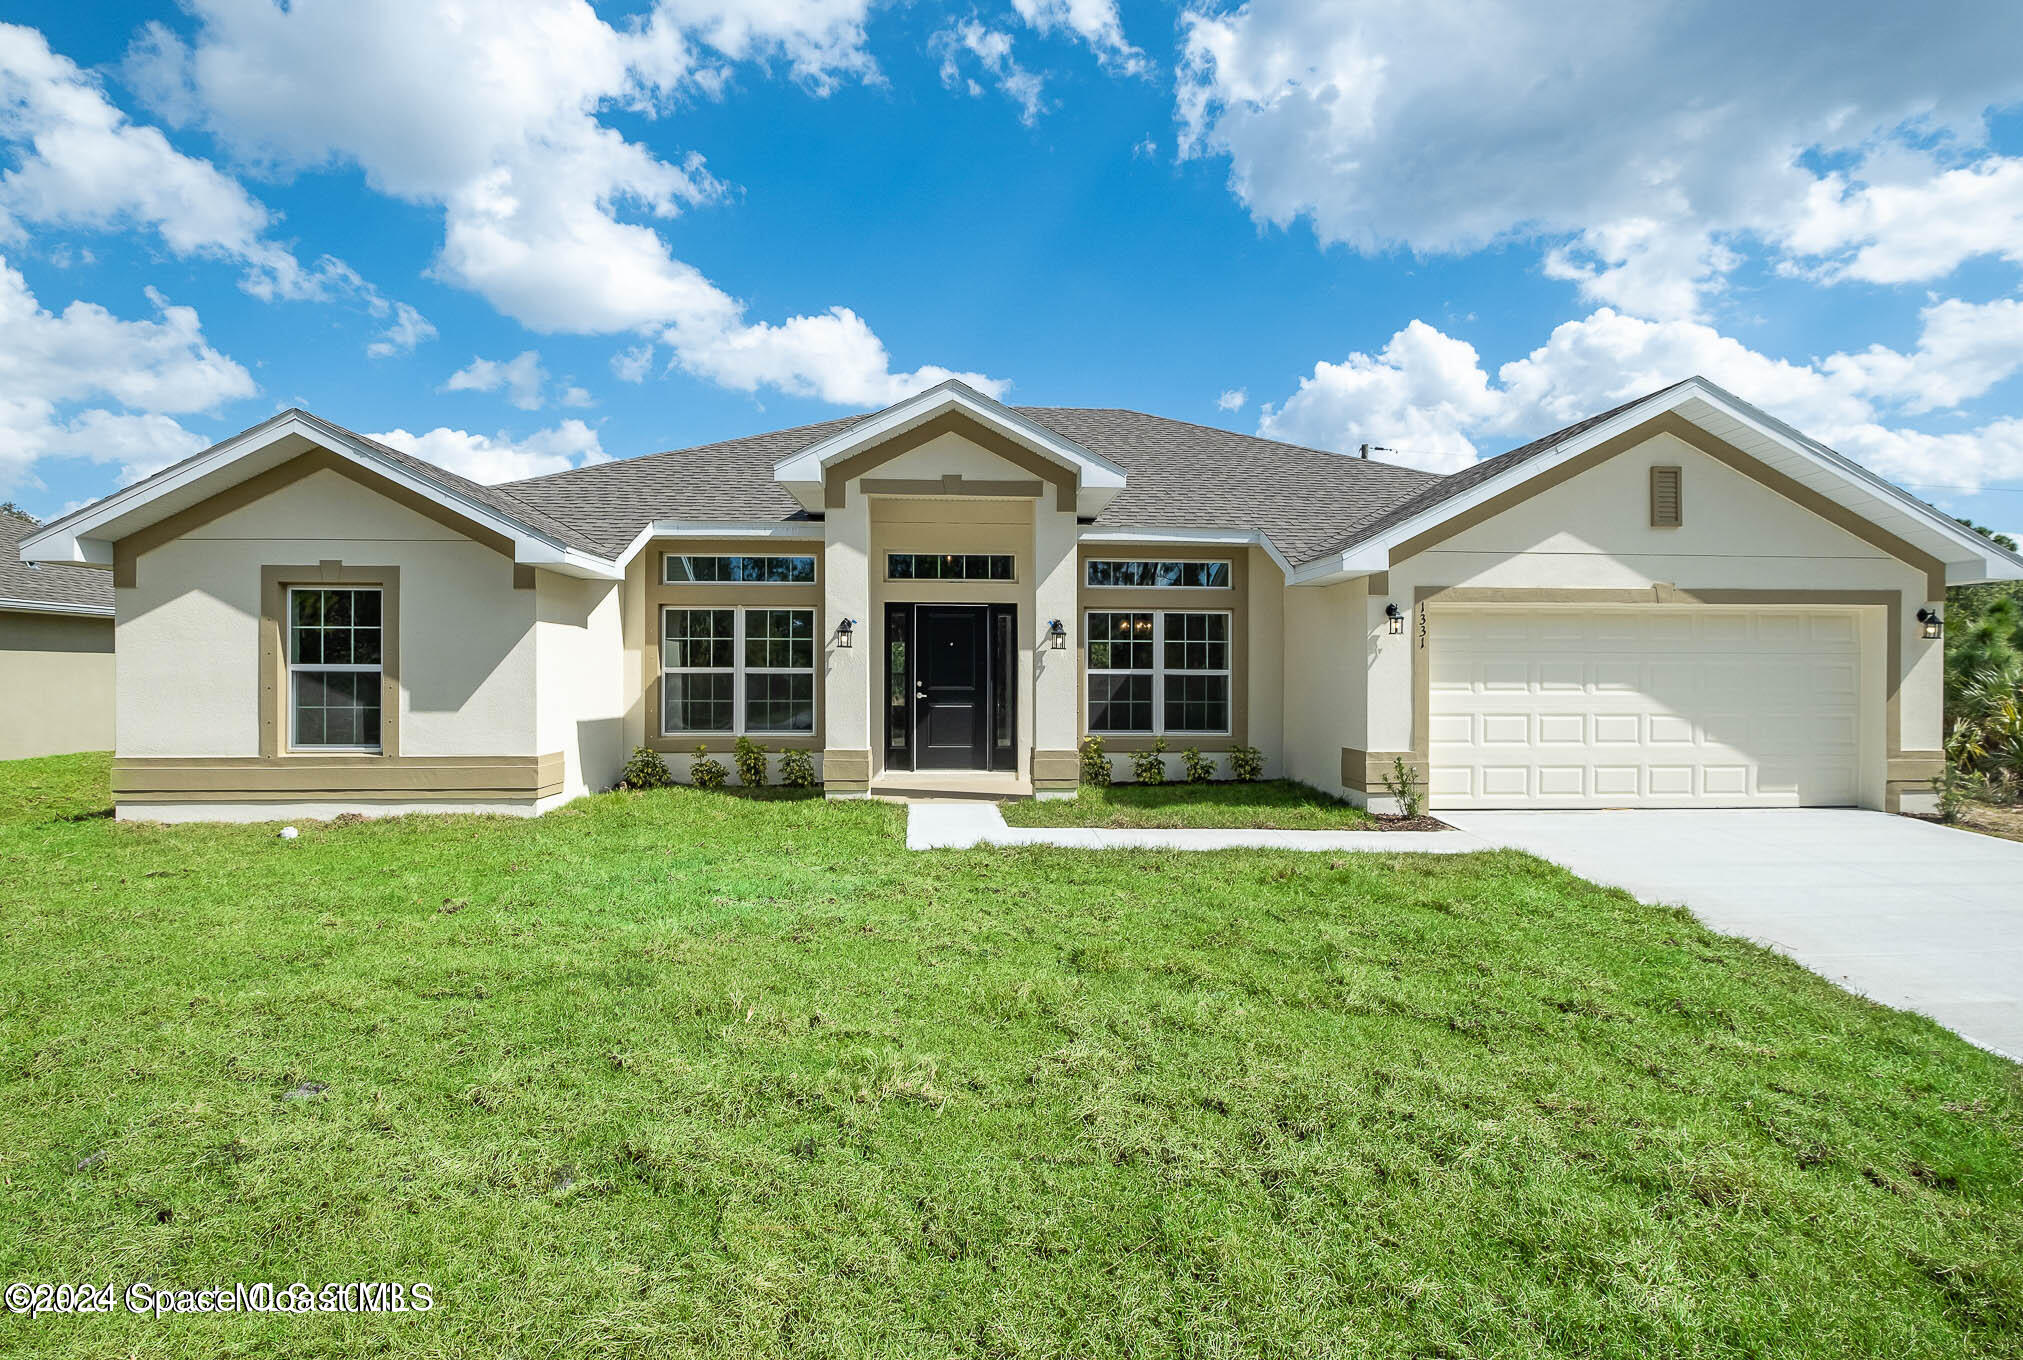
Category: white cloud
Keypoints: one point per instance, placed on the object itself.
(83, 163)
(1232, 399)
(1095, 22)
(632, 365)
(1443, 128)
(573, 395)
(1427, 395)
(834, 357)
(407, 329)
(522, 378)
(991, 48)
(549, 214)
(54, 366)
(500, 457)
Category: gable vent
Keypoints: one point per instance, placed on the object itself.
(1665, 498)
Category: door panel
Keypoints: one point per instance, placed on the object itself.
(952, 687)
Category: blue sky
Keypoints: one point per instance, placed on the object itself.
(1439, 228)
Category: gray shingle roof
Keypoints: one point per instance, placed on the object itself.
(53, 584)
(1180, 476)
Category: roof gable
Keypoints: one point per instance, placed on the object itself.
(52, 589)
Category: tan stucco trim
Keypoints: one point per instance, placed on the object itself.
(1892, 602)
(127, 551)
(843, 768)
(1056, 769)
(179, 779)
(953, 484)
(1672, 423)
(1364, 771)
(274, 583)
(839, 476)
(727, 595)
(1233, 601)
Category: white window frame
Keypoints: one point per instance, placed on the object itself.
(1012, 579)
(1159, 673)
(354, 668)
(737, 670)
(814, 559)
(1228, 572)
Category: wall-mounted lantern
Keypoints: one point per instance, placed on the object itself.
(1057, 636)
(845, 630)
(1397, 618)
(1934, 625)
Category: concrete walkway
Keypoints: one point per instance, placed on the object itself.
(1905, 912)
(960, 826)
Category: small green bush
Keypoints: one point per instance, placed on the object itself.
(1402, 783)
(1149, 767)
(644, 769)
(1200, 769)
(1095, 765)
(750, 758)
(706, 771)
(797, 769)
(1246, 764)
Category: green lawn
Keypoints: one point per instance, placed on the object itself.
(1276, 803)
(680, 1074)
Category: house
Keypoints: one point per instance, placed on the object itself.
(55, 652)
(1681, 602)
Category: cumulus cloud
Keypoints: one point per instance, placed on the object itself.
(991, 50)
(1442, 128)
(549, 213)
(1232, 399)
(522, 378)
(58, 368)
(500, 457)
(1427, 395)
(1095, 22)
(403, 332)
(632, 365)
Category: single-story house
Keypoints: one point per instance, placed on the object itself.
(1681, 602)
(55, 652)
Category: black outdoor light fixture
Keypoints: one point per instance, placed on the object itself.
(1057, 636)
(845, 630)
(1934, 625)
(1396, 616)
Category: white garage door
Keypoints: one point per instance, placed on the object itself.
(1658, 707)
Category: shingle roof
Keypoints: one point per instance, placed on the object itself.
(53, 584)
(1452, 485)
(1180, 476)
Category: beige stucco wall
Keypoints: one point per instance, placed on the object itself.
(56, 684)
(1326, 662)
(1593, 532)
(468, 656)
(579, 649)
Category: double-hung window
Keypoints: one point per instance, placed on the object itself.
(335, 661)
(730, 671)
(1158, 671)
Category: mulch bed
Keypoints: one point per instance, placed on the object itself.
(1411, 824)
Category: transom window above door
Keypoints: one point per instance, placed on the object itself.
(768, 569)
(335, 663)
(949, 567)
(1157, 573)
(732, 671)
(1158, 671)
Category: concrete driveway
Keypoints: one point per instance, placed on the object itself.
(1905, 912)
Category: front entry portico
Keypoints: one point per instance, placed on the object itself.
(950, 688)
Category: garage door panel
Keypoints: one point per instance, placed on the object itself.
(1670, 706)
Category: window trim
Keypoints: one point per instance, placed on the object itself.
(1159, 673)
(1228, 571)
(738, 670)
(276, 697)
(295, 668)
(814, 559)
(1010, 580)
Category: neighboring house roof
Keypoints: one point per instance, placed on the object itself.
(50, 589)
(1179, 476)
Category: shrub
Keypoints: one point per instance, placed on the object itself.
(1149, 767)
(750, 758)
(797, 769)
(1200, 769)
(1095, 765)
(1402, 783)
(1246, 764)
(706, 771)
(644, 769)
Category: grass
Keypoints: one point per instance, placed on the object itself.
(1279, 804)
(683, 1074)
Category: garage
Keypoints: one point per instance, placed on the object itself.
(1670, 706)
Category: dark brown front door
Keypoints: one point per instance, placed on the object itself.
(951, 693)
